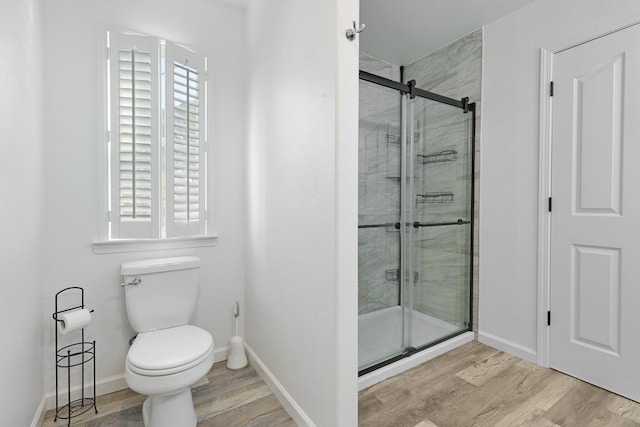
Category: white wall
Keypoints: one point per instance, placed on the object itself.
(21, 211)
(72, 30)
(301, 307)
(509, 158)
(346, 230)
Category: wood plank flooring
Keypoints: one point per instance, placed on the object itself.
(224, 398)
(473, 385)
(476, 385)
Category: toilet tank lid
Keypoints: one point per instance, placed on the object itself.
(158, 265)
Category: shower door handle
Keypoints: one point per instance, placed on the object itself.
(395, 225)
(417, 224)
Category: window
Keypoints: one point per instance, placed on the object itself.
(156, 120)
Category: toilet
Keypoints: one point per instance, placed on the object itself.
(168, 355)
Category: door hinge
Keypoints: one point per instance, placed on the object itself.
(549, 204)
(548, 318)
(551, 89)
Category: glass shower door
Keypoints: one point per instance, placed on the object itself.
(381, 323)
(415, 220)
(439, 210)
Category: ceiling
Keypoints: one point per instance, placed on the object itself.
(402, 31)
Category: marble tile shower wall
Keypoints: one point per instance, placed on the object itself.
(442, 289)
(441, 256)
(379, 189)
(441, 272)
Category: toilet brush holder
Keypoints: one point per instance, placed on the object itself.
(237, 359)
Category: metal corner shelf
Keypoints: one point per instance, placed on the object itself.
(443, 156)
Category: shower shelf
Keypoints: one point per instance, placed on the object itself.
(394, 139)
(446, 197)
(392, 275)
(443, 156)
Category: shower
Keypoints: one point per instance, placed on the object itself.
(415, 217)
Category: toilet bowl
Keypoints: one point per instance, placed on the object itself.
(168, 355)
(164, 364)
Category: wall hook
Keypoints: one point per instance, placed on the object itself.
(351, 32)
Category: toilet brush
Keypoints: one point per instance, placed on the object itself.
(237, 359)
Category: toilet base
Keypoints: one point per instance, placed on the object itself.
(170, 410)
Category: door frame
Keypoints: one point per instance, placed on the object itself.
(545, 144)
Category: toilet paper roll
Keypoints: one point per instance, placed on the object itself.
(73, 320)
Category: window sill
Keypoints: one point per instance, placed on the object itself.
(141, 245)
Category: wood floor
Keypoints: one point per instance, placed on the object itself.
(224, 398)
(473, 385)
(476, 385)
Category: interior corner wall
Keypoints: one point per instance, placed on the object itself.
(73, 57)
(509, 156)
(21, 212)
(346, 228)
(292, 315)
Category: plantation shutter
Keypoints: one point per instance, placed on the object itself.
(185, 142)
(134, 134)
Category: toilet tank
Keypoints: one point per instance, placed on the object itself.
(166, 295)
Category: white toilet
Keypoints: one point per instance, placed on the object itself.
(169, 355)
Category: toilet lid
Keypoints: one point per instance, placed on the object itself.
(169, 349)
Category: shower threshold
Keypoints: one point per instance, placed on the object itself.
(378, 338)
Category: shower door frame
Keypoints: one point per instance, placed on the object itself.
(412, 91)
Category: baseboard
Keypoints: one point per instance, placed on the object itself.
(508, 347)
(38, 418)
(220, 354)
(289, 404)
(103, 386)
(117, 382)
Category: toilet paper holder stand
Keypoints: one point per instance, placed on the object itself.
(75, 355)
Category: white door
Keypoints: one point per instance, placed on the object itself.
(595, 219)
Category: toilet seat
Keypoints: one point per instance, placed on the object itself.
(169, 351)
